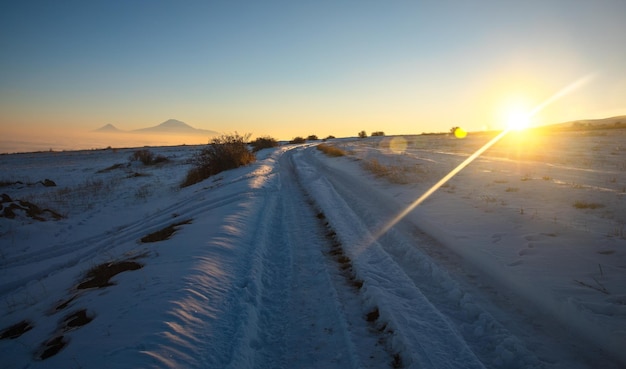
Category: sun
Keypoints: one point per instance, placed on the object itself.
(514, 113)
(517, 120)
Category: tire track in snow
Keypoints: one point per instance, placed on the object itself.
(300, 312)
(422, 334)
(274, 330)
(102, 243)
(500, 335)
(330, 279)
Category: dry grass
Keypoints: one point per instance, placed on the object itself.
(587, 205)
(80, 197)
(332, 151)
(390, 172)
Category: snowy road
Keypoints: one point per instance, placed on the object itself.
(275, 265)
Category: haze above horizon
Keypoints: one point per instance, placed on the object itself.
(289, 69)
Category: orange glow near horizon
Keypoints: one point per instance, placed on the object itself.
(16, 139)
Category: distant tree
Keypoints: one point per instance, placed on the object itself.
(362, 134)
(378, 133)
(453, 130)
(312, 138)
(330, 137)
(297, 140)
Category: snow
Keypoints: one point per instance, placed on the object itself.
(282, 263)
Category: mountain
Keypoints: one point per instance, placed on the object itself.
(171, 126)
(176, 127)
(108, 128)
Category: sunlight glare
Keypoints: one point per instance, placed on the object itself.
(398, 144)
(565, 91)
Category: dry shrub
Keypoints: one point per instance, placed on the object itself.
(225, 152)
(297, 140)
(147, 157)
(264, 142)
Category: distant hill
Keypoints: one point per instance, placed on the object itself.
(108, 128)
(604, 123)
(171, 126)
(176, 127)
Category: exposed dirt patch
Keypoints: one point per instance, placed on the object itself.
(100, 275)
(76, 319)
(52, 347)
(165, 233)
(346, 269)
(137, 175)
(397, 361)
(112, 167)
(373, 315)
(63, 304)
(11, 209)
(345, 263)
(16, 330)
(48, 183)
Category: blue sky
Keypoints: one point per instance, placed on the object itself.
(287, 68)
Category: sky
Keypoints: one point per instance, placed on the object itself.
(287, 68)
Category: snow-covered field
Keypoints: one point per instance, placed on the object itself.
(517, 262)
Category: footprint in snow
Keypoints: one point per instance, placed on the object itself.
(496, 237)
(528, 251)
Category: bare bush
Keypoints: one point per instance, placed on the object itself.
(225, 152)
(264, 142)
(147, 157)
(297, 140)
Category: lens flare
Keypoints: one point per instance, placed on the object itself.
(460, 132)
(566, 90)
(398, 144)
